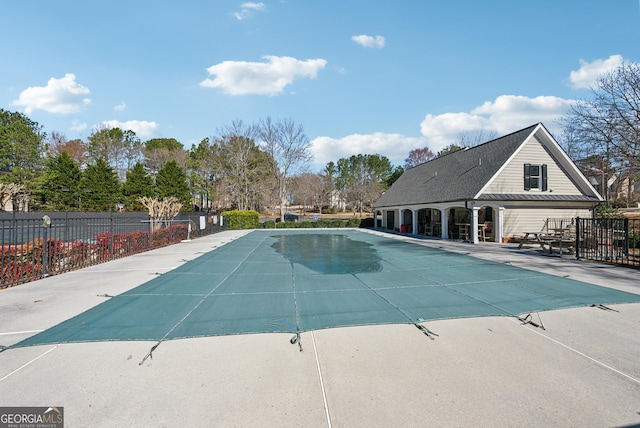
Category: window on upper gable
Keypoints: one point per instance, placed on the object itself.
(535, 176)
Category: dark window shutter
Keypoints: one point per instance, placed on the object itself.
(544, 177)
(527, 176)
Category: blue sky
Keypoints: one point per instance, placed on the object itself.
(361, 76)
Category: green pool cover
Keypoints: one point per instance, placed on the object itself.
(300, 280)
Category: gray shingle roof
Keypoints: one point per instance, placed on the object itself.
(456, 176)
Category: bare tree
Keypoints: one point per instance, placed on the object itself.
(475, 138)
(77, 149)
(417, 157)
(14, 193)
(289, 148)
(161, 212)
(608, 124)
(155, 159)
(308, 190)
(235, 153)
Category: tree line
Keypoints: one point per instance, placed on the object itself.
(264, 166)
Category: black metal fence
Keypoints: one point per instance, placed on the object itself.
(609, 240)
(35, 245)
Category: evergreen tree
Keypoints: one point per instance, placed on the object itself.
(99, 187)
(139, 183)
(449, 149)
(172, 181)
(60, 186)
(22, 148)
(363, 178)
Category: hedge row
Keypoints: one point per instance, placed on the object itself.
(354, 222)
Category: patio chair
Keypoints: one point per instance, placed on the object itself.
(483, 230)
(430, 228)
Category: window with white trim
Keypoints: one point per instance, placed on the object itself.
(535, 176)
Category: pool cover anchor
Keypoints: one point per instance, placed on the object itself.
(425, 331)
(296, 339)
(528, 320)
(603, 307)
(149, 355)
(104, 295)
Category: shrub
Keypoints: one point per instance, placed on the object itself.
(366, 222)
(17, 265)
(235, 220)
(608, 210)
(354, 222)
(333, 223)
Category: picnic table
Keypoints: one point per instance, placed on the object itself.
(558, 238)
(533, 237)
(561, 242)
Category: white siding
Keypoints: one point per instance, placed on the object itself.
(511, 179)
(518, 221)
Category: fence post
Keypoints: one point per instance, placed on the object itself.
(625, 224)
(110, 235)
(66, 226)
(578, 238)
(44, 253)
(14, 229)
(46, 224)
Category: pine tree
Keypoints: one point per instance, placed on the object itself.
(60, 186)
(172, 181)
(139, 183)
(99, 187)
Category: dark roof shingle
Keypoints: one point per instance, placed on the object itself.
(453, 177)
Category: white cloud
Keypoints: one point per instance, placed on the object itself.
(508, 113)
(247, 10)
(61, 96)
(78, 126)
(588, 73)
(261, 78)
(395, 147)
(120, 107)
(369, 41)
(143, 129)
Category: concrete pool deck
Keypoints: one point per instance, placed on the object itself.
(582, 370)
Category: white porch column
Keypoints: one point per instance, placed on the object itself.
(414, 221)
(444, 224)
(375, 219)
(474, 224)
(398, 219)
(499, 231)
